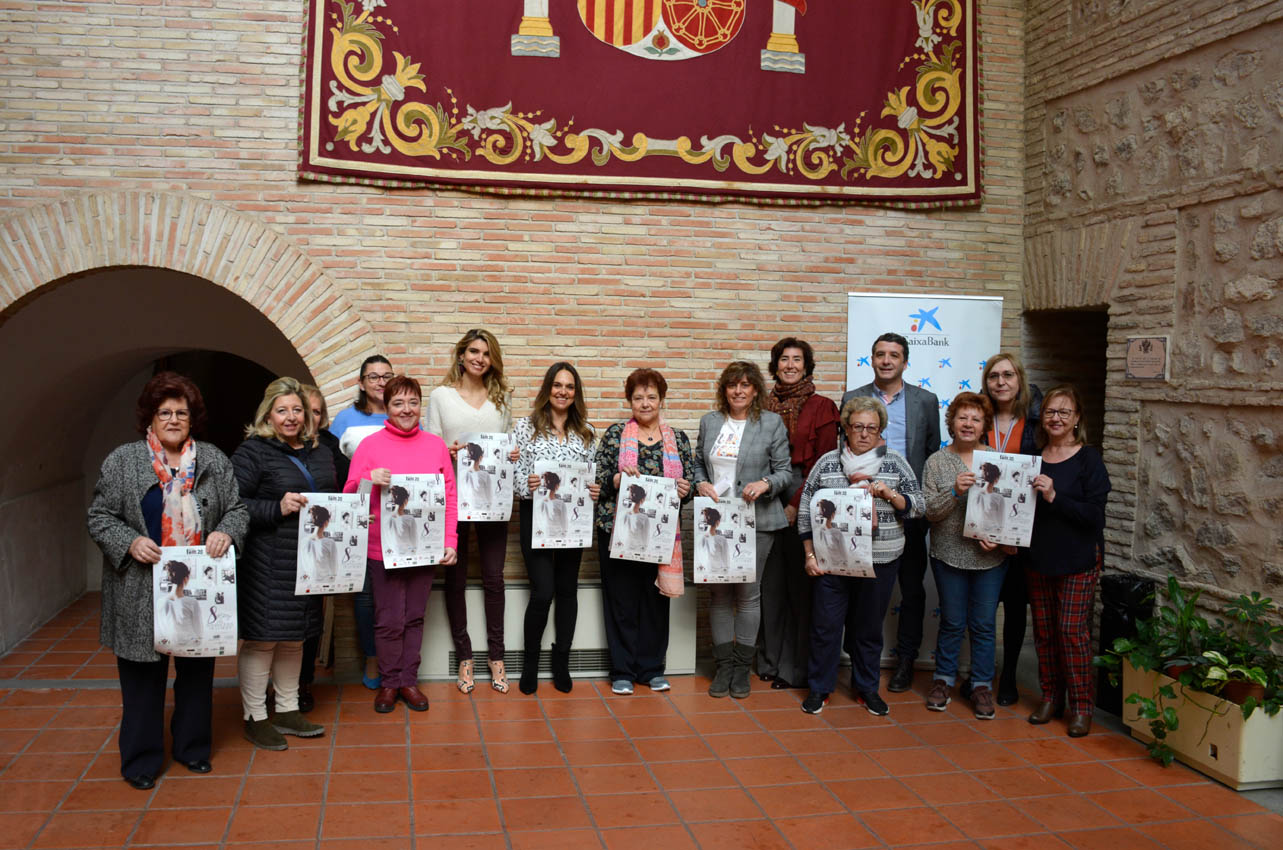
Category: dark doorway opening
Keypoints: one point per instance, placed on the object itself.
(1069, 347)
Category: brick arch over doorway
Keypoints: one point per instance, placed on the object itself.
(40, 245)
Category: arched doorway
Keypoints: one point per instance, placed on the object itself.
(93, 291)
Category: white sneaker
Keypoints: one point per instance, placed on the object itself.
(623, 687)
(659, 683)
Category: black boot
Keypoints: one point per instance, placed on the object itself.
(742, 667)
(902, 678)
(529, 682)
(561, 669)
(721, 685)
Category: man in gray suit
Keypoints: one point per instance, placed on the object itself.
(913, 430)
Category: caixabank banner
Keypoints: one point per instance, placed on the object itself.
(779, 101)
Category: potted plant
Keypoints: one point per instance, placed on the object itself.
(1194, 687)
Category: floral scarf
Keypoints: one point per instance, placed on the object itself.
(180, 521)
(671, 578)
(788, 400)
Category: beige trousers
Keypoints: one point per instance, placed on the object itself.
(259, 661)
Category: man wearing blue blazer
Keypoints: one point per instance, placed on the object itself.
(913, 430)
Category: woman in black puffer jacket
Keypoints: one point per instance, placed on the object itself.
(279, 461)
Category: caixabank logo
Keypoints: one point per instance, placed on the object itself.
(921, 325)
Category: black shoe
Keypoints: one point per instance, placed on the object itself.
(529, 681)
(197, 766)
(306, 702)
(143, 782)
(778, 684)
(561, 679)
(874, 703)
(814, 702)
(1007, 693)
(902, 678)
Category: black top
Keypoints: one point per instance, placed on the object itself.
(1069, 533)
(265, 573)
(650, 461)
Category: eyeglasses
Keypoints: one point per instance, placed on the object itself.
(1006, 376)
(379, 378)
(1058, 414)
(180, 415)
(863, 429)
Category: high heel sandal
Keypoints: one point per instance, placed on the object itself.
(498, 677)
(463, 679)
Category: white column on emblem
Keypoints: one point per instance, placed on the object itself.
(535, 36)
(782, 52)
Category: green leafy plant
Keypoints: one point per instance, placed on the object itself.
(1181, 643)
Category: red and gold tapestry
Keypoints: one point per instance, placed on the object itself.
(776, 101)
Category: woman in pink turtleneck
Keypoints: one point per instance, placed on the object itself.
(401, 595)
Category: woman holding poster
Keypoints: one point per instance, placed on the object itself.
(855, 604)
(401, 595)
(969, 573)
(1064, 559)
(474, 398)
(1017, 406)
(279, 461)
(742, 452)
(636, 594)
(811, 420)
(146, 498)
(556, 430)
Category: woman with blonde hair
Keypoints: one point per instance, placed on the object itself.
(280, 460)
(474, 398)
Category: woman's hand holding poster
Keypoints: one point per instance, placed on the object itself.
(195, 597)
(725, 541)
(562, 508)
(333, 531)
(412, 520)
(1000, 505)
(842, 531)
(483, 478)
(645, 519)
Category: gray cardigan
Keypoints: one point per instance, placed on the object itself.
(763, 454)
(116, 519)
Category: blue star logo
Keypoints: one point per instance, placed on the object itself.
(863, 361)
(922, 318)
(964, 384)
(945, 443)
(945, 364)
(982, 364)
(924, 382)
(944, 402)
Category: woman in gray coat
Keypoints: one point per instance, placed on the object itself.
(742, 452)
(164, 490)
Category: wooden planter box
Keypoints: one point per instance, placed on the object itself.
(1213, 737)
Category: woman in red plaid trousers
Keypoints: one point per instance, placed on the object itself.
(1064, 559)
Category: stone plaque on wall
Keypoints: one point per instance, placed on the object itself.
(1147, 358)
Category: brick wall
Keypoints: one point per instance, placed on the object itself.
(164, 133)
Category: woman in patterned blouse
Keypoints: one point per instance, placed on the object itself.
(557, 429)
(635, 595)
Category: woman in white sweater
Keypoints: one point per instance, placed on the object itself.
(474, 398)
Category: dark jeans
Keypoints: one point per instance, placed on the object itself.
(554, 574)
(859, 605)
(400, 602)
(913, 594)
(784, 642)
(142, 725)
(636, 616)
(968, 603)
(492, 548)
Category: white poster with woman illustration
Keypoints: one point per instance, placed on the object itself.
(725, 541)
(412, 520)
(483, 477)
(195, 596)
(842, 531)
(562, 508)
(333, 531)
(1000, 505)
(645, 519)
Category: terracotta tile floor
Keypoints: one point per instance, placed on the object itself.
(588, 769)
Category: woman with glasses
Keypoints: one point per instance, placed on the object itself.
(857, 605)
(364, 417)
(474, 398)
(1064, 560)
(278, 463)
(1016, 407)
(163, 490)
